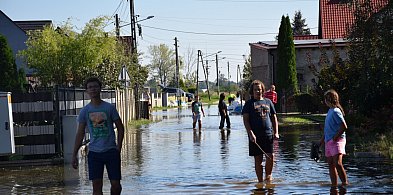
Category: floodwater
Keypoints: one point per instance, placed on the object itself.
(168, 157)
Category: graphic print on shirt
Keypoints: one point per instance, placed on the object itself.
(261, 109)
(98, 122)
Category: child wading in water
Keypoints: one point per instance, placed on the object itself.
(334, 138)
(260, 121)
(197, 109)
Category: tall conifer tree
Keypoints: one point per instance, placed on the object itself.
(286, 71)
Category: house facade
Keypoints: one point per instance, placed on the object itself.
(16, 34)
(335, 16)
(264, 59)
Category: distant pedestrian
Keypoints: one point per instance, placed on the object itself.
(223, 110)
(260, 121)
(197, 110)
(104, 149)
(272, 94)
(334, 138)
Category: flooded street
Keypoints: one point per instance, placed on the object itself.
(168, 157)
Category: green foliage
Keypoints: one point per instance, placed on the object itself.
(63, 57)
(306, 103)
(371, 62)
(163, 62)
(247, 75)
(385, 145)
(299, 25)
(286, 63)
(365, 80)
(12, 80)
(296, 120)
(136, 124)
(331, 74)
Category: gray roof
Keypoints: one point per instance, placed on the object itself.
(33, 24)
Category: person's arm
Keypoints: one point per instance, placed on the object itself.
(80, 134)
(192, 108)
(274, 97)
(247, 125)
(275, 126)
(343, 128)
(203, 112)
(120, 134)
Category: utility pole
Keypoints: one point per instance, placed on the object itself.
(177, 72)
(207, 71)
(133, 30)
(134, 52)
(218, 81)
(197, 73)
(229, 89)
(117, 27)
(123, 73)
(237, 75)
(206, 81)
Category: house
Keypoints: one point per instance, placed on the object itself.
(335, 16)
(264, 59)
(16, 34)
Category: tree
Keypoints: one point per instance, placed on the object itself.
(11, 79)
(190, 60)
(286, 63)
(247, 74)
(299, 25)
(371, 58)
(64, 57)
(162, 63)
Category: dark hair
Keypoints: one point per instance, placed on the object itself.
(331, 96)
(256, 82)
(93, 79)
(222, 96)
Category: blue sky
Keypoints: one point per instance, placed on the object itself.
(206, 25)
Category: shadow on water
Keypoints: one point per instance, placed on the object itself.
(169, 157)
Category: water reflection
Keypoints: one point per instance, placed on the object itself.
(169, 157)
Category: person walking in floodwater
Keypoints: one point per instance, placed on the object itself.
(223, 110)
(260, 121)
(197, 109)
(104, 148)
(334, 137)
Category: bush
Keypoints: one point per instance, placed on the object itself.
(306, 103)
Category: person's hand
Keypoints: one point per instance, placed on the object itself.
(74, 162)
(276, 136)
(336, 137)
(252, 137)
(321, 142)
(118, 148)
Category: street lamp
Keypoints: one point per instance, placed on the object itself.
(148, 17)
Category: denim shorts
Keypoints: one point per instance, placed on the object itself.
(333, 148)
(97, 160)
(196, 117)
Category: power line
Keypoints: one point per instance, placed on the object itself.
(215, 34)
(255, 1)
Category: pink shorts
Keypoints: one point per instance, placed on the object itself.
(333, 148)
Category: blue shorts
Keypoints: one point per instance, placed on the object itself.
(97, 160)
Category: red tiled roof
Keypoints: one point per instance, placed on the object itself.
(304, 37)
(335, 16)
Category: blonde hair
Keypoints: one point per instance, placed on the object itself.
(332, 98)
(251, 89)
